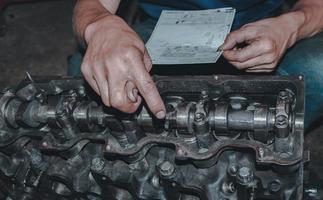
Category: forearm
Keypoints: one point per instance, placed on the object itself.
(312, 15)
(88, 11)
(305, 19)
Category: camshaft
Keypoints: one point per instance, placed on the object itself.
(189, 117)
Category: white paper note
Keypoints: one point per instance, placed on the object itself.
(189, 37)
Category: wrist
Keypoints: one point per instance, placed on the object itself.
(98, 23)
(291, 24)
(93, 26)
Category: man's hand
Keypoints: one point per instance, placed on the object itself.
(264, 43)
(117, 65)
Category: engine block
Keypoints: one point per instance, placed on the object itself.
(223, 138)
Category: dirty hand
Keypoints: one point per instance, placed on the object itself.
(117, 65)
(265, 43)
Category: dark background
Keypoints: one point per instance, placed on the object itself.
(39, 38)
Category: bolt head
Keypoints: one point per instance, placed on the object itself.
(244, 175)
(166, 168)
(274, 186)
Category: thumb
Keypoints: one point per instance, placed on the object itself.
(237, 37)
(132, 91)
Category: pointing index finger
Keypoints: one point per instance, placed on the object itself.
(148, 90)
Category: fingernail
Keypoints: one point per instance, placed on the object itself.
(222, 47)
(135, 93)
(132, 98)
(160, 114)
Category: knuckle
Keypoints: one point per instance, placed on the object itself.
(105, 100)
(96, 69)
(148, 87)
(246, 26)
(268, 45)
(231, 36)
(117, 101)
(110, 63)
(155, 106)
(101, 68)
(238, 65)
(270, 58)
(130, 52)
(84, 68)
(250, 28)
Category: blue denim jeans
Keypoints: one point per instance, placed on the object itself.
(304, 58)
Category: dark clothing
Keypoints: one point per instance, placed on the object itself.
(246, 10)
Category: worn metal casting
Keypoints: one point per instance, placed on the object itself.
(224, 138)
